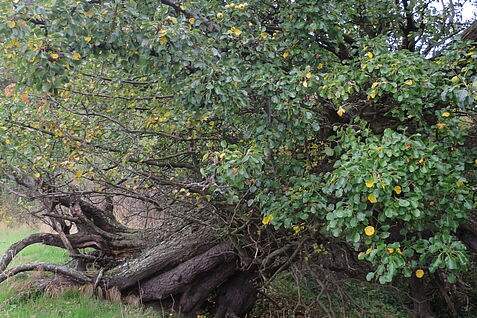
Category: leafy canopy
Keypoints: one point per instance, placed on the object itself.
(350, 117)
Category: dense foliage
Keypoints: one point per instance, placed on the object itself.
(354, 119)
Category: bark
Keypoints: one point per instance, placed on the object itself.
(467, 232)
(470, 34)
(420, 301)
(177, 260)
(166, 254)
(237, 297)
(444, 289)
(199, 290)
(184, 274)
(102, 219)
(57, 269)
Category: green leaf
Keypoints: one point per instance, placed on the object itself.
(403, 203)
(451, 278)
(369, 276)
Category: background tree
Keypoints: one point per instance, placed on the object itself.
(259, 133)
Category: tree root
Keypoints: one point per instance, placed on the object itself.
(68, 272)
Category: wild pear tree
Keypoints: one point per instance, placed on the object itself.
(253, 131)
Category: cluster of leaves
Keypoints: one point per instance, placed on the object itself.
(401, 196)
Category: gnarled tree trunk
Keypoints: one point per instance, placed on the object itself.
(180, 259)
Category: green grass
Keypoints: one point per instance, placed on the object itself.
(73, 304)
(32, 253)
(69, 304)
(365, 300)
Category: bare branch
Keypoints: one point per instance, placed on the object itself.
(46, 267)
(117, 97)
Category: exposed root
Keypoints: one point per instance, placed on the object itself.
(70, 273)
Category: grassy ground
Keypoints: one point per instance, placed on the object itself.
(285, 298)
(290, 299)
(33, 253)
(68, 304)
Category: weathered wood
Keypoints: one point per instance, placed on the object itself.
(237, 296)
(470, 34)
(176, 249)
(200, 289)
(179, 277)
(46, 267)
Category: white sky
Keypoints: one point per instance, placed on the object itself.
(469, 10)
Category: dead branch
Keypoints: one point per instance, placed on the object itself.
(46, 267)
